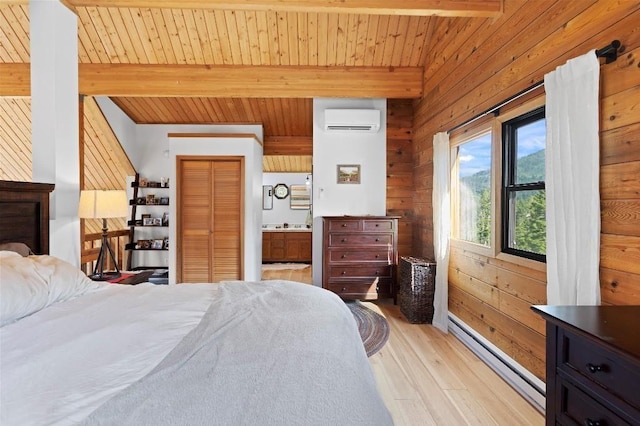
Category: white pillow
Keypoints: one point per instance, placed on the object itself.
(9, 253)
(65, 280)
(23, 290)
(28, 284)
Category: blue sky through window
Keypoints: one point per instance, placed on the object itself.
(475, 155)
(532, 138)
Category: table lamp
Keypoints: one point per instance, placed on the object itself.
(98, 204)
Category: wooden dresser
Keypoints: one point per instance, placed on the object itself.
(593, 365)
(360, 256)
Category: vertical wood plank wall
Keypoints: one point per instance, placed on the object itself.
(478, 65)
(400, 170)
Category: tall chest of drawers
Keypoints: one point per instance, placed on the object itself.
(593, 365)
(360, 256)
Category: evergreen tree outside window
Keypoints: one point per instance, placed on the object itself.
(523, 189)
(473, 207)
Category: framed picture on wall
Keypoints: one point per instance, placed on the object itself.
(348, 173)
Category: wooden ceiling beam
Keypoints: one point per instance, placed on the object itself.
(462, 8)
(230, 81)
(238, 81)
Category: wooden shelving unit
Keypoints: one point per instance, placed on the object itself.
(146, 221)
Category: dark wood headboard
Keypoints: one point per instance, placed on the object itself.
(24, 214)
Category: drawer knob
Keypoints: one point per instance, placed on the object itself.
(344, 225)
(344, 256)
(344, 289)
(377, 256)
(344, 240)
(589, 422)
(344, 272)
(593, 368)
(377, 239)
(377, 224)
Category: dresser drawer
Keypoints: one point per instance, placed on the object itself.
(377, 225)
(355, 255)
(359, 271)
(579, 408)
(358, 290)
(362, 239)
(581, 358)
(338, 225)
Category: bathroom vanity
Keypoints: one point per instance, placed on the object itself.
(292, 244)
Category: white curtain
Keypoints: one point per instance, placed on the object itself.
(441, 226)
(572, 182)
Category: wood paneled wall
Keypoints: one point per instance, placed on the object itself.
(400, 170)
(479, 66)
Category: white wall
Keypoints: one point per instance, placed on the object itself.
(251, 150)
(281, 211)
(330, 149)
(123, 127)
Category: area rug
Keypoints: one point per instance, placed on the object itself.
(279, 266)
(373, 327)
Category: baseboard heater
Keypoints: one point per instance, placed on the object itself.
(525, 383)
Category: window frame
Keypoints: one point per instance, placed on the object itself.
(509, 127)
(493, 123)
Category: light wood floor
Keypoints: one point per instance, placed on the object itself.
(427, 377)
(300, 275)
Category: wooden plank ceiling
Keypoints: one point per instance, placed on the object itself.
(301, 39)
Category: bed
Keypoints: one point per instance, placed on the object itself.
(231, 353)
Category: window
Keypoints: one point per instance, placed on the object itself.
(472, 189)
(523, 189)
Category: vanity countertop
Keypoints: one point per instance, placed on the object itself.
(290, 228)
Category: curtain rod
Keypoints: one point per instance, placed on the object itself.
(609, 52)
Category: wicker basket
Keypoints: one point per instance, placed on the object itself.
(416, 289)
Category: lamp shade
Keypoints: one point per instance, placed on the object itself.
(98, 204)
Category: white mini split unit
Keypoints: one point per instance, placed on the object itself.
(352, 120)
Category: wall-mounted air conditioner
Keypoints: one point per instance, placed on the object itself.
(352, 120)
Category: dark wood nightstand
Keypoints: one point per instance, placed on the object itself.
(593, 364)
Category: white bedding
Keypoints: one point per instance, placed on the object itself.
(61, 364)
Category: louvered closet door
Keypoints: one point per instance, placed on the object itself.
(210, 194)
